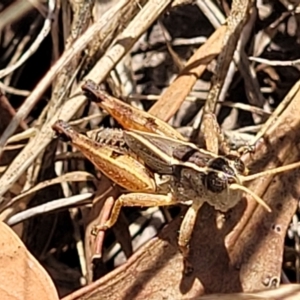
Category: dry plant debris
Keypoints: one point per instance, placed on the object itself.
(23, 277)
(181, 61)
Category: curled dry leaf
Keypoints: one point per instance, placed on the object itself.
(22, 277)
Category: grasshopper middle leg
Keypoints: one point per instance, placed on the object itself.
(149, 200)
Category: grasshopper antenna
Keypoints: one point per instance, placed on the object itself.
(235, 186)
(270, 172)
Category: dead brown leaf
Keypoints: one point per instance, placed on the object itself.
(285, 292)
(22, 277)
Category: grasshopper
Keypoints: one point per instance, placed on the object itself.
(192, 175)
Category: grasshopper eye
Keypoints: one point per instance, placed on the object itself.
(221, 164)
(220, 176)
(216, 182)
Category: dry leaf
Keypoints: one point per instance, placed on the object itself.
(22, 277)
